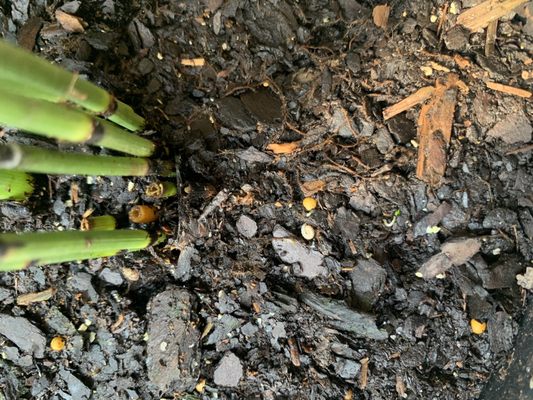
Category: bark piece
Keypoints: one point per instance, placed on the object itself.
(435, 129)
(172, 349)
(483, 14)
(380, 14)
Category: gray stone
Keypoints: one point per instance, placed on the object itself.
(368, 279)
(76, 387)
(82, 281)
(306, 262)
(514, 128)
(246, 226)
(23, 334)
(347, 369)
(363, 200)
(182, 271)
(111, 277)
(223, 327)
(499, 218)
(253, 156)
(60, 324)
(229, 371)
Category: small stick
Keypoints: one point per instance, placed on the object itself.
(509, 89)
(216, 202)
(417, 97)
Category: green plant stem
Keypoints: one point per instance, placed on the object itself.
(99, 223)
(59, 121)
(41, 79)
(44, 161)
(160, 190)
(15, 185)
(19, 251)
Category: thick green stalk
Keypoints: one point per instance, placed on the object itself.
(44, 161)
(19, 251)
(15, 185)
(41, 79)
(99, 223)
(59, 121)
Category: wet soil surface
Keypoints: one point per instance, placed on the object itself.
(254, 296)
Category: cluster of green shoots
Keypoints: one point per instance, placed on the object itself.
(43, 99)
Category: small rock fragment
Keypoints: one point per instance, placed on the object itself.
(526, 280)
(82, 281)
(344, 318)
(306, 262)
(76, 387)
(246, 226)
(111, 277)
(229, 371)
(253, 156)
(23, 334)
(514, 128)
(363, 200)
(368, 279)
(499, 218)
(431, 220)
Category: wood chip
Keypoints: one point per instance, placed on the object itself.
(283, 148)
(480, 16)
(193, 62)
(509, 89)
(27, 299)
(461, 62)
(381, 15)
(490, 39)
(400, 387)
(363, 373)
(295, 354)
(416, 98)
(435, 129)
(70, 23)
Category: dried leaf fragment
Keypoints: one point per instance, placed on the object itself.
(453, 253)
(283, 148)
(380, 14)
(70, 23)
(480, 16)
(416, 98)
(435, 129)
(27, 299)
(509, 90)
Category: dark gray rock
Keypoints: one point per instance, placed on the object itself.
(76, 387)
(499, 218)
(81, 281)
(344, 318)
(368, 279)
(182, 270)
(229, 371)
(23, 334)
(363, 200)
(254, 156)
(60, 324)
(172, 351)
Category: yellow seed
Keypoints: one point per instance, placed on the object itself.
(142, 214)
(200, 386)
(57, 343)
(478, 327)
(308, 232)
(309, 203)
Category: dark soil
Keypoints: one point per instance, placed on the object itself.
(236, 304)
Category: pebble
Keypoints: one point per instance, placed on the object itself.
(306, 262)
(246, 226)
(111, 277)
(229, 371)
(23, 334)
(368, 279)
(514, 128)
